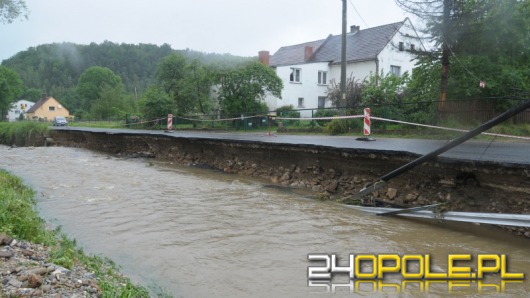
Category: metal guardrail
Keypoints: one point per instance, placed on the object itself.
(517, 220)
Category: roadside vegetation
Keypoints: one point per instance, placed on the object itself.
(23, 133)
(19, 219)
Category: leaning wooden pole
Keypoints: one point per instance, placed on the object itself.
(381, 181)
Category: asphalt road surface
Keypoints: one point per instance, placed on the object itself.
(495, 150)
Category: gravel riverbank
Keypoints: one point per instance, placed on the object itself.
(25, 272)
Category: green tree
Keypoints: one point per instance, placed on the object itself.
(156, 103)
(385, 94)
(196, 87)
(384, 89)
(11, 10)
(482, 40)
(32, 94)
(11, 87)
(353, 93)
(244, 89)
(112, 102)
(93, 82)
(170, 76)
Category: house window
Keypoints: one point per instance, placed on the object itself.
(295, 75)
(301, 102)
(412, 47)
(395, 70)
(322, 77)
(51, 108)
(401, 46)
(17, 112)
(321, 102)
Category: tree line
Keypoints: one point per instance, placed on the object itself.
(98, 81)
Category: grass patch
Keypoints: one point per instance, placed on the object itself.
(22, 133)
(512, 129)
(19, 219)
(18, 216)
(98, 124)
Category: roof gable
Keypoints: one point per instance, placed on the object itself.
(42, 102)
(360, 46)
(39, 104)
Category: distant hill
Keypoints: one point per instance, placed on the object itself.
(55, 68)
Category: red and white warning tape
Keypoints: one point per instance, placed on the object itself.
(367, 121)
(448, 128)
(322, 118)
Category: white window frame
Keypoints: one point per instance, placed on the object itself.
(395, 70)
(296, 75)
(322, 77)
(323, 99)
(301, 102)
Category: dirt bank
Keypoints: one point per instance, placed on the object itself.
(333, 173)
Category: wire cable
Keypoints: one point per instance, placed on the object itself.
(359, 14)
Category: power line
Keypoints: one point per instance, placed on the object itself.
(359, 14)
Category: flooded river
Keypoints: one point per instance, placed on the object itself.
(201, 233)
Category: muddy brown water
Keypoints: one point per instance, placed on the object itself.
(200, 233)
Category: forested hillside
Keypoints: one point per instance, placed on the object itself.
(55, 68)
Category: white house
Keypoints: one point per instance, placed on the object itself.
(19, 108)
(307, 69)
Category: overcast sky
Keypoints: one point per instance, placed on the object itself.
(238, 27)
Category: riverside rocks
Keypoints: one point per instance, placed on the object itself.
(25, 272)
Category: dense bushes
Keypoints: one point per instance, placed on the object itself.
(288, 112)
(324, 113)
(341, 126)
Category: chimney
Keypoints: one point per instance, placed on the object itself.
(308, 53)
(44, 96)
(354, 28)
(264, 57)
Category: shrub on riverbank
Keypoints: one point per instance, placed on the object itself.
(19, 219)
(23, 133)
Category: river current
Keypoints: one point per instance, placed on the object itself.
(201, 233)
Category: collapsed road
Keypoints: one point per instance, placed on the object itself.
(477, 176)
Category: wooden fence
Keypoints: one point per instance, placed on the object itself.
(475, 111)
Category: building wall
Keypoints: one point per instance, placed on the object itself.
(359, 70)
(307, 89)
(20, 107)
(393, 56)
(49, 110)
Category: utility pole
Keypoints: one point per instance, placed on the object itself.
(445, 52)
(343, 61)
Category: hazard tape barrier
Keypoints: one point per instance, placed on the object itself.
(224, 119)
(322, 118)
(448, 128)
(367, 122)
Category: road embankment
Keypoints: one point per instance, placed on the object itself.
(335, 173)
